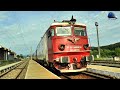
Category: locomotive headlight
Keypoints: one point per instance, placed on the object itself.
(86, 46)
(61, 47)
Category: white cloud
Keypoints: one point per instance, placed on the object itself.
(3, 15)
(29, 30)
(33, 24)
(116, 35)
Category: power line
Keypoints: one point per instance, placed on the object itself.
(19, 27)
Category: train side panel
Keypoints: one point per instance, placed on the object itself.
(42, 50)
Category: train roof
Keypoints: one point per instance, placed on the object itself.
(66, 23)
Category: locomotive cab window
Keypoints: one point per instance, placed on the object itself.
(63, 31)
(50, 33)
(79, 31)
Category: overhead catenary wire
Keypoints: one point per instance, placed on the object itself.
(5, 33)
(12, 39)
(19, 27)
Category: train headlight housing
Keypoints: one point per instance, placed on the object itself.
(83, 61)
(61, 47)
(86, 46)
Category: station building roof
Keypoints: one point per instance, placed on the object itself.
(7, 49)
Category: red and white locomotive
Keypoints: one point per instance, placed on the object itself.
(64, 46)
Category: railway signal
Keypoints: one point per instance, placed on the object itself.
(96, 24)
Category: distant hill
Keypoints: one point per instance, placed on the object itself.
(110, 47)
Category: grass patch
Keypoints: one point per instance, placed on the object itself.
(6, 62)
(102, 58)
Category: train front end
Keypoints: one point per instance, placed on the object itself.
(70, 47)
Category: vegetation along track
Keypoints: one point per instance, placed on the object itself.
(16, 73)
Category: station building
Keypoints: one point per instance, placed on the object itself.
(6, 54)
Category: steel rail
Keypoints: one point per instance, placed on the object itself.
(6, 69)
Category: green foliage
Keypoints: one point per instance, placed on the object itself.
(94, 52)
(117, 50)
(111, 46)
(6, 62)
(107, 51)
(20, 56)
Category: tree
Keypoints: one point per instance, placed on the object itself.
(117, 51)
(107, 52)
(21, 56)
(94, 52)
(18, 56)
(103, 54)
(113, 54)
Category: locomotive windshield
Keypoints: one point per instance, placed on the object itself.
(63, 31)
(79, 31)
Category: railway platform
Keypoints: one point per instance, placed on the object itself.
(36, 71)
(105, 70)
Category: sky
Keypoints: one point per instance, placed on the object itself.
(22, 30)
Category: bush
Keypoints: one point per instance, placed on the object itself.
(6, 62)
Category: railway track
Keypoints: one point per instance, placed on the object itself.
(17, 72)
(78, 75)
(107, 63)
(96, 75)
(83, 75)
